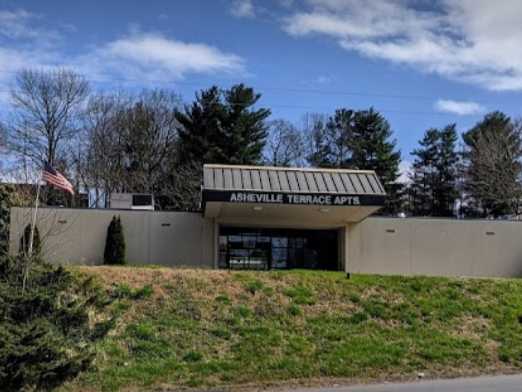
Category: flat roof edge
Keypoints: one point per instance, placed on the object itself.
(307, 192)
(285, 168)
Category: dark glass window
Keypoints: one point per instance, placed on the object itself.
(141, 200)
(247, 248)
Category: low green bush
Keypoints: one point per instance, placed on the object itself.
(47, 328)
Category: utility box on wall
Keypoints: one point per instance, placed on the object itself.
(132, 201)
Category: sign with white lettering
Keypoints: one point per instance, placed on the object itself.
(319, 199)
(287, 198)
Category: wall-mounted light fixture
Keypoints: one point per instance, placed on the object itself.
(324, 210)
(257, 208)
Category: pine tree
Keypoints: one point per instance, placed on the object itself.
(373, 148)
(447, 168)
(199, 126)
(493, 165)
(246, 129)
(360, 140)
(48, 328)
(423, 174)
(221, 126)
(434, 174)
(114, 253)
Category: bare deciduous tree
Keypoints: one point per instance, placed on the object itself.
(99, 161)
(494, 165)
(47, 105)
(149, 129)
(285, 145)
(495, 171)
(314, 130)
(130, 142)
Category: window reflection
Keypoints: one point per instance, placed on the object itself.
(277, 248)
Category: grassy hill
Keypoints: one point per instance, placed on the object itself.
(200, 328)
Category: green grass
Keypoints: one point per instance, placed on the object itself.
(217, 328)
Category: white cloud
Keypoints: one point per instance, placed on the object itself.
(474, 41)
(323, 79)
(15, 24)
(21, 24)
(461, 108)
(152, 56)
(13, 60)
(140, 57)
(26, 42)
(243, 9)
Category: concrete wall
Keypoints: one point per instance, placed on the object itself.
(74, 236)
(437, 247)
(440, 247)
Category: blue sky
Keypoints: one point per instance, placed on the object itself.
(422, 63)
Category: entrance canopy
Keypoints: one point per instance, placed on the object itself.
(306, 197)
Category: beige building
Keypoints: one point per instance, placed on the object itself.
(277, 218)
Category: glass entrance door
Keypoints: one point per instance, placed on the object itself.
(244, 250)
(247, 248)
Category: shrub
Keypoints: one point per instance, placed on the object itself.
(46, 333)
(115, 244)
(4, 220)
(254, 285)
(193, 356)
(294, 310)
(24, 241)
(124, 291)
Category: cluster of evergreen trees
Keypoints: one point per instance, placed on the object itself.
(480, 179)
(223, 127)
(220, 126)
(150, 142)
(433, 188)
(478, 176)
(358, 140)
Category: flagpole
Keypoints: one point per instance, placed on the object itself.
(33, 221)
(31, 237)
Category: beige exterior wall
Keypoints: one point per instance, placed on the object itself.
(437, 247)
(73, 236)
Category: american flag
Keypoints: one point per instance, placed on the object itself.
(54, 178)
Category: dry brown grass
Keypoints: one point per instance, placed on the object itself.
(298, 327)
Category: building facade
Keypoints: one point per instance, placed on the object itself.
(278, 218)
(270, 217)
